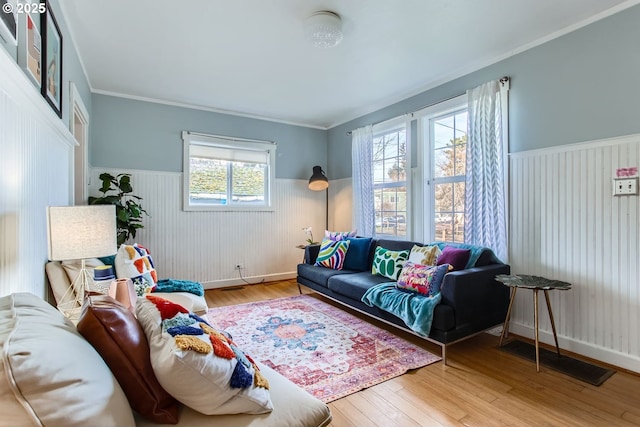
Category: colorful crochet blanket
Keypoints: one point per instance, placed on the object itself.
(173, 285)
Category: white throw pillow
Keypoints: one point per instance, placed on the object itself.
(134, 262)
(198, 365)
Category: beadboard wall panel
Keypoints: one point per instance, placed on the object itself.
(35, 172)
(206, 246)
(566, 224)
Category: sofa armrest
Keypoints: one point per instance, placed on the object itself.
(311, 253)
(474, 293)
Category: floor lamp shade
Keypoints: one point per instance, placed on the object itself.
(318, 180)
(81, 232)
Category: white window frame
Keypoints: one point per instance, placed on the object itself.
(388, 126)
(426, 158)
(193, 138)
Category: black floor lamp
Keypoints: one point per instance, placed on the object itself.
(319, 182)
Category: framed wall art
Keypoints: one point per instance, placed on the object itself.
(9, 21)
(51, 60)
(30, 48)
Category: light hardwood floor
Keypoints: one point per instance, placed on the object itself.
(480, 386)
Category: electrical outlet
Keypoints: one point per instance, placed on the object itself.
(625, 187)
(239, 266)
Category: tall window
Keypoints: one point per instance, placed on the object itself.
(449, 136)
(223, 173)
(390, 169)
(443, 143)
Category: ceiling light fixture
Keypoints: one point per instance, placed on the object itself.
(324, 29)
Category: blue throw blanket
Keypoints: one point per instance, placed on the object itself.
(173, 285)
(414, 309)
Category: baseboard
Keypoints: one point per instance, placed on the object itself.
(251, 280)
(606, 355)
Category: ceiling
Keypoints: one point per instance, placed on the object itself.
(249, 57)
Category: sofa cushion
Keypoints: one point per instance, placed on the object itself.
(354, 285)
(456, 257)
(358, 254)
(55, 374)
(292, 407)
(422, 279)
(319, 275)
(116, 334)
(332, 253)
(339, 235)
(388, 263)
(134, 262)
(424, 255)
(197, 364)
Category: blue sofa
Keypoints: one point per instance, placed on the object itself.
(472, 300)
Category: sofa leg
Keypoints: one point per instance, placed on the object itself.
(444, 354)
(299, 288)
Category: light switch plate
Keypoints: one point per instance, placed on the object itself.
(625, 187)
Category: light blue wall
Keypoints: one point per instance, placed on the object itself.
(580, 87)
(71, 67)
(134, 134)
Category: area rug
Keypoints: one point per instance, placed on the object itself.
(325, 350)
(583, 371)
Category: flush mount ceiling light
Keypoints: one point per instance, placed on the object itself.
(323, 29)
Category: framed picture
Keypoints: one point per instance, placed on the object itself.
(30, 48)
(52, 60)
(9, 21)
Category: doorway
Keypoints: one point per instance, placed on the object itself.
(79, 127)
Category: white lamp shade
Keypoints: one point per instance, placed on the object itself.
(81, 232)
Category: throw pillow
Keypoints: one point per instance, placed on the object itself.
(56, 375)
(134, 262)
(198, 365)
(388, 263)
(116, 334)
(424, 255)
(423, 279)
(456, 257)
(332, 253)
(358, 254)
(339, 235)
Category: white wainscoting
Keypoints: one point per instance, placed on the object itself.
(35, 171)
(341, 205)
(565, 224)
(206, 246)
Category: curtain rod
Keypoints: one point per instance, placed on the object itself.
(503, 81)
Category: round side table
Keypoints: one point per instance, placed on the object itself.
(535, 283)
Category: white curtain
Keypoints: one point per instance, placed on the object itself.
(361, 164)
(486, 184)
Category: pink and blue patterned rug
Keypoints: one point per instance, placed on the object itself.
(323, 349)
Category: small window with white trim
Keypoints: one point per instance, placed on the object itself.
(225, 173)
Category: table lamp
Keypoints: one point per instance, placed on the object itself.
(80, 232)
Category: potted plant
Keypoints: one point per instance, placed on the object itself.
(116, 190)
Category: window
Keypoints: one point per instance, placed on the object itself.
(444, 138)
(222, 173)
(390, 162)
(449, 163)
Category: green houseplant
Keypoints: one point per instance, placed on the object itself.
(116, 190)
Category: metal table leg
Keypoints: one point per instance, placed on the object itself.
(505, 327)
(535, 316)
(553, 323)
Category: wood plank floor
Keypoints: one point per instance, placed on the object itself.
(480, 386)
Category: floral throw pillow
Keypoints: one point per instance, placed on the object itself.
(388, 263)
(423, 279)
(332, 253)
